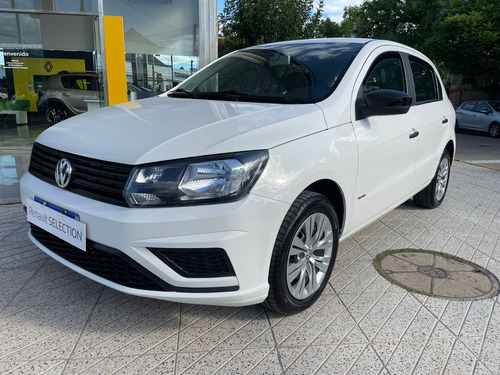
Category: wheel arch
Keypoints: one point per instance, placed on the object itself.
(45, 104)
(450, 147)
(492, 123)
(333, 193)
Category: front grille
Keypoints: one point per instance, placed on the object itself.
(196, 262)
(96, 179)
(103, 261)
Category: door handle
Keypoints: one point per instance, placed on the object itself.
(445, 121)
(414, 134)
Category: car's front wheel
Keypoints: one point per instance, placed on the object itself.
(433, 194)
(494, 130)
(56, 113)
(303, 254)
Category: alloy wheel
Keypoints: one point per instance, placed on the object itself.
(309, 256)
(442, 179)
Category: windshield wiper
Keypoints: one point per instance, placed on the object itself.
(232, 95)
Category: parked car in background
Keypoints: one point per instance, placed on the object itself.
(235, 187)
(483, 116)
(67, 94)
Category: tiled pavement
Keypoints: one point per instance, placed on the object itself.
(54, 321)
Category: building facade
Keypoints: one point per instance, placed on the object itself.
(104, 51)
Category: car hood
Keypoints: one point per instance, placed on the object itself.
(163, 128)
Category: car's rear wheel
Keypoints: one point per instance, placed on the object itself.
(304, 254)
(494, 130)
(56, 113)
(433, 194)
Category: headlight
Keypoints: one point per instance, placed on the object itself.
(195, 181)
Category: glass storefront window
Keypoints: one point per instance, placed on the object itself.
(38, 56)
(79, 6)
(161, 43)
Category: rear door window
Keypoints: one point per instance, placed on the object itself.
(427, 87)
(468, 106)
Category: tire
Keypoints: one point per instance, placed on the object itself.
(292, 255)
(56, 113)
(432, 196)
(494, 130)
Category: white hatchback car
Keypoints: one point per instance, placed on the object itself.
(236, 187)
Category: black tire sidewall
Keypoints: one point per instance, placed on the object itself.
(491, 127)
(447, 156)
(278, 282)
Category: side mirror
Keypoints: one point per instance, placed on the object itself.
(383, 103)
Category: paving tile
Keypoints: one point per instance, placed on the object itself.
(421, 326)
(397, 324)
(285, 326)
(223, 327)
(350, 273)
(146, 364)
(405, 357)
(125, 332)
(477, 319)
(32, 367)
(342, 359)
(434, 356)
(481, 369)
(337, 331)
(269, 365)
(376, 317)
(207, 364)
(367, 363)
(384, 350)
(247, 360)
(461, 360)
(490, 353)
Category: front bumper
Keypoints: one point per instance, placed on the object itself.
(245, 230)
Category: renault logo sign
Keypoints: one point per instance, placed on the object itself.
(63, 173)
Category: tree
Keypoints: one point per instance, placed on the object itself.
(466, 38)
(250, 22)
(408, 22)
(329, 29)
(461, 36)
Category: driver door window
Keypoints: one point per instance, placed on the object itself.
(387, 73)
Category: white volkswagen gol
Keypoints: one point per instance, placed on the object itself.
(236, 187)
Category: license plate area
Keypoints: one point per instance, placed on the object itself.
(61, 223)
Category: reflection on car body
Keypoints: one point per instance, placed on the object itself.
(236, 187)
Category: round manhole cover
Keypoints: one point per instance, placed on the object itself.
(436, 274)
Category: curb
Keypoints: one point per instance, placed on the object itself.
(478, 165)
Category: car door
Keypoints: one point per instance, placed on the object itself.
(80, 89)
(483, 116)
(386, 143)
(466, 115)
(433, 114)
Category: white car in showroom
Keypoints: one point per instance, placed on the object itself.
(236, 187)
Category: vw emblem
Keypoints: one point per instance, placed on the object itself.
(63, 173)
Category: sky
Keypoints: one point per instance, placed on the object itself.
(333, 9)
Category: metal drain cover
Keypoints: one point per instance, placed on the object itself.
(436, 274)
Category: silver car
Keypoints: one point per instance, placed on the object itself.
(480, 115)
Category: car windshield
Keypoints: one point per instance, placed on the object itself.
(495, 105)
(305, 72)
